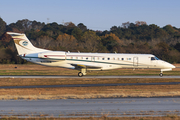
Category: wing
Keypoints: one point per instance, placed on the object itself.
(79, 66)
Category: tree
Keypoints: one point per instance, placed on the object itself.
(90, 41)
(113, 28)
(138, 23)
(110, 43)
(114, 37)
(162, 51)
(65, 42)
(77, 33)
(43, 42)
(37, 25)
(82, 27)
(2, 26)
(125, 25)
(69, 24)
(170, 30)
(25, 25)
(53, 29)
(5, 39)
(177, 47)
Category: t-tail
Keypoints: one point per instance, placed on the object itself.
(23, 45)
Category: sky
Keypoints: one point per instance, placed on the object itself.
(95, 14)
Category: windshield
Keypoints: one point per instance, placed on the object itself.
(157, 58)
(154, 58)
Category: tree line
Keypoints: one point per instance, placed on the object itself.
(129, 37)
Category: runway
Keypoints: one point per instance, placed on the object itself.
(88, 85)
(56, 76)
(119, 107)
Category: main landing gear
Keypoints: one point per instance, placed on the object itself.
(83, 72)
(80, 74)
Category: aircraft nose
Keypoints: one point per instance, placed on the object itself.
(169, 65)
(173, 66)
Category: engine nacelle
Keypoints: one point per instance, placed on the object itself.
(52, 55)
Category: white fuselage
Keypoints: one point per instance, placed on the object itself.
(85, 61)
(105, 61)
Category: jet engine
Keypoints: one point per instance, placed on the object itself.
(52, 55)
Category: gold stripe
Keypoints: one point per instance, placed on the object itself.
(17, 42)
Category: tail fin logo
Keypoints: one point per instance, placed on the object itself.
(25, 43)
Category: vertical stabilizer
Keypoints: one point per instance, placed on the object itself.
(23, 45)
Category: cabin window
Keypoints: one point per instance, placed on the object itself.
(108, 58)
(118, 58)
(81, 57)
(113, 58)
(71, 57)
(102, 58)
(76, 57)
(129, 58)
(98, 58)
(122, 58)
(87, 58)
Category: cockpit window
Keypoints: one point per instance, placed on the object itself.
(157, 58)
(154, 58)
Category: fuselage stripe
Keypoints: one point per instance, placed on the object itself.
(115, 63)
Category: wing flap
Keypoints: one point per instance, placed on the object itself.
(86, 66)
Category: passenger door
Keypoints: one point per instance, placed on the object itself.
(135, 61)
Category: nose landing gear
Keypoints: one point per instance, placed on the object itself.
(161, 74)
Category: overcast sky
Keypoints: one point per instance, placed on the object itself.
(95, 14)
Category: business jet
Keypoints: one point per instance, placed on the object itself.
(86, 61)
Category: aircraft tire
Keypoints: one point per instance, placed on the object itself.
(160, 74)
(80, 74)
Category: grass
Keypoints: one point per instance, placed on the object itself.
(81, 92)
(91, 92)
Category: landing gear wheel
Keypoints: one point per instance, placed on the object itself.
(80, 74)
(160, 74)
